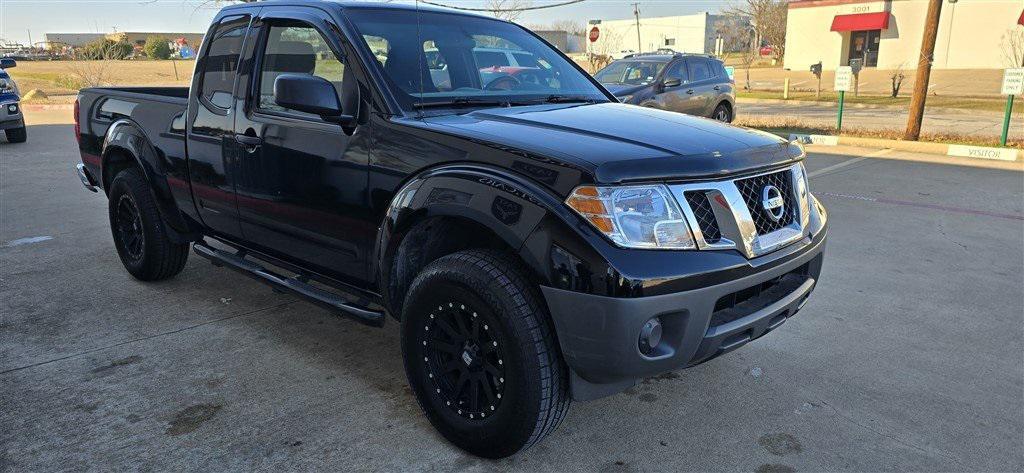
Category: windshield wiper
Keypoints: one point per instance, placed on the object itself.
(462, 102)
(568, 99)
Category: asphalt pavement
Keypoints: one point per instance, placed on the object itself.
(907, 357)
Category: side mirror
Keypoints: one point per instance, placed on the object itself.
(672, 82)
(7, 63)
(310, 94)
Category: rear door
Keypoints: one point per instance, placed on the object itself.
(212, 160)
(303, 183)
(701, 89)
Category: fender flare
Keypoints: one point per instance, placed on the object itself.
(126, 137)
(509, 205)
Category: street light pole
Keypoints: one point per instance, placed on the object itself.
(639, 42)
(924, 71)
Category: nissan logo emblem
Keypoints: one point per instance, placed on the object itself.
(773, 203)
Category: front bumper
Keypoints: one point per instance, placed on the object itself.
(599, 335)
(11, 119)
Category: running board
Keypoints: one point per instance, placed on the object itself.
(293, 285)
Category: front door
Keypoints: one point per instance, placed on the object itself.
(302, 194)
(864, 45)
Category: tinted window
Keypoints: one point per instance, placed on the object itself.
(490, 59)
(630, 72)
(434, 58)
(221, 62)
(677, 71)
(296, 48)
(699, 69)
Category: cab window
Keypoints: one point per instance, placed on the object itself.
(295, 48)
(221, 62)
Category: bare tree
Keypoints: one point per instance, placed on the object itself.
(1012, 43)
(509, 10)
(738, 35)
(896, 78)
(601, 52)
(768, 18)
(577, 28)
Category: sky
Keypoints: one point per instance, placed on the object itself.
(21, 18)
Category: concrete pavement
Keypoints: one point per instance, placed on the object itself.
(907, 357)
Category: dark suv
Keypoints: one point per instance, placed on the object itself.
(696, 84)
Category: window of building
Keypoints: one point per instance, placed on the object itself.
(670, 41)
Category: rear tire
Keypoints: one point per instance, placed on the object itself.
(722, 113)
(481, 355)
(142, 241)
(16, 135)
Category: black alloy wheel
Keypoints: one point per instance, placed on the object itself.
(463, 360)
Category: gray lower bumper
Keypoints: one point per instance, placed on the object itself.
(599, 335)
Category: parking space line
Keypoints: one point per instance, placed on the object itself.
(881, 152)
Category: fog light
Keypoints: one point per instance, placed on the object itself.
(12, 108)
(650, 336)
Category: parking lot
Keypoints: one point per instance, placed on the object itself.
(908, 356)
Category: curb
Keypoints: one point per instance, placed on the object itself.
(38, 107)
(1008, 155)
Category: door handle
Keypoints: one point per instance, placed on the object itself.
(718, 87)
(690, 91)
(249, 142)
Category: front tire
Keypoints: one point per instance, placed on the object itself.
(142, 241)
(481, 355)
(16, 135)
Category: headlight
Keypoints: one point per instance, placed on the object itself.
(634, 216)
(625, 98)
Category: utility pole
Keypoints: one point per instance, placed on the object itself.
(639, 42)
(924, 71)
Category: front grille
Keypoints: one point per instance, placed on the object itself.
(701, 207)
(751, 189)
(752, 299)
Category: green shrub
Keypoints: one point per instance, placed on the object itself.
(157, 47)
(103, 49)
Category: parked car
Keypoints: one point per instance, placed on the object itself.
(12, 121)
(695, 84)
(539, 242)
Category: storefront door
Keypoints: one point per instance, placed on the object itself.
(864, 45)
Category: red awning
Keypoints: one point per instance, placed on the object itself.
(861, 22)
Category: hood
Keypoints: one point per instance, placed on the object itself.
(623, 143)
(624, 89)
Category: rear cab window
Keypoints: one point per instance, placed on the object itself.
(220, 66)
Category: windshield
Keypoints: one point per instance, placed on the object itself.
(444, 60)
(630, 72)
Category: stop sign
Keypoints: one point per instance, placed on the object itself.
(594, 34)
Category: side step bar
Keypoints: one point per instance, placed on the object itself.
(295, 286)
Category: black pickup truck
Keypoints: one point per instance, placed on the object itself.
(538, 241)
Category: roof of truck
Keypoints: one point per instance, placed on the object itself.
(347, 4)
